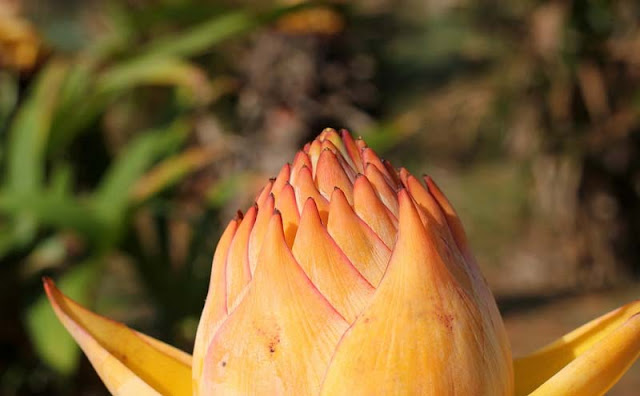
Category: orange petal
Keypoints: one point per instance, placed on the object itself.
(430, 206)
(370, 157)
(434, 220)
(259, 230)
(331, 175)
(327, 266)
(300, 161)
(420, 334)
(479, 287)
(215, 306)
(328, 145)
(457, 230)
(314, 155)
(264, 193)
(125, 360)
(305, 188)
(370, 208)
(360, 244)
(347, 168)
(238, 268)
(333, 137)
(352, 150)
(281, 180)
(385, 192)
(392, 172)
(287, 206)
(280, 338)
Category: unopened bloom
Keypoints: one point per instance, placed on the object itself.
(350, 277)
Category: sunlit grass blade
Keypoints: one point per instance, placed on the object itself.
(203, 36)
(154, 71)
(173, 169)
(216, 30)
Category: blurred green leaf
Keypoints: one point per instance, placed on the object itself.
(8, 99)
(204, 36)
(30, 131)
(199, 38)
(77, 103)
(113, 194)
(28, 136)
(51, 341)
(61, 180)
(48, 253)
(154, 71)
(54, 210)
(228, 187)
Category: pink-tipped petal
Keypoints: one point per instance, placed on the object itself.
(370, 208)
(328, 268)
(305, 188)
(352, 150)
(391, 171)
(330, 175)
(300, 161)
(280, 338)
(360, 244)
(457, 230)
(420, 334)
(335, 138)
(259, 230)
(264, 194)
(315, 149)
(370, 157)
(288, 207)
(385, 192)
(281, 180)
(215, 306)
(238, 268)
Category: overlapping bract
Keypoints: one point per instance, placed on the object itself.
(348, 276)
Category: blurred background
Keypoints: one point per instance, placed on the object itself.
(132, 130)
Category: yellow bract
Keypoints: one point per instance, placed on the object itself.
(588, 361)
(128, 362)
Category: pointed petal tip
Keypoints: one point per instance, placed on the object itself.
(51, 290)
(275, 227)
(47, 283)
(309, 204)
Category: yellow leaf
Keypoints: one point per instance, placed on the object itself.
(533, 370)
(599, 368)
(127, 362)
